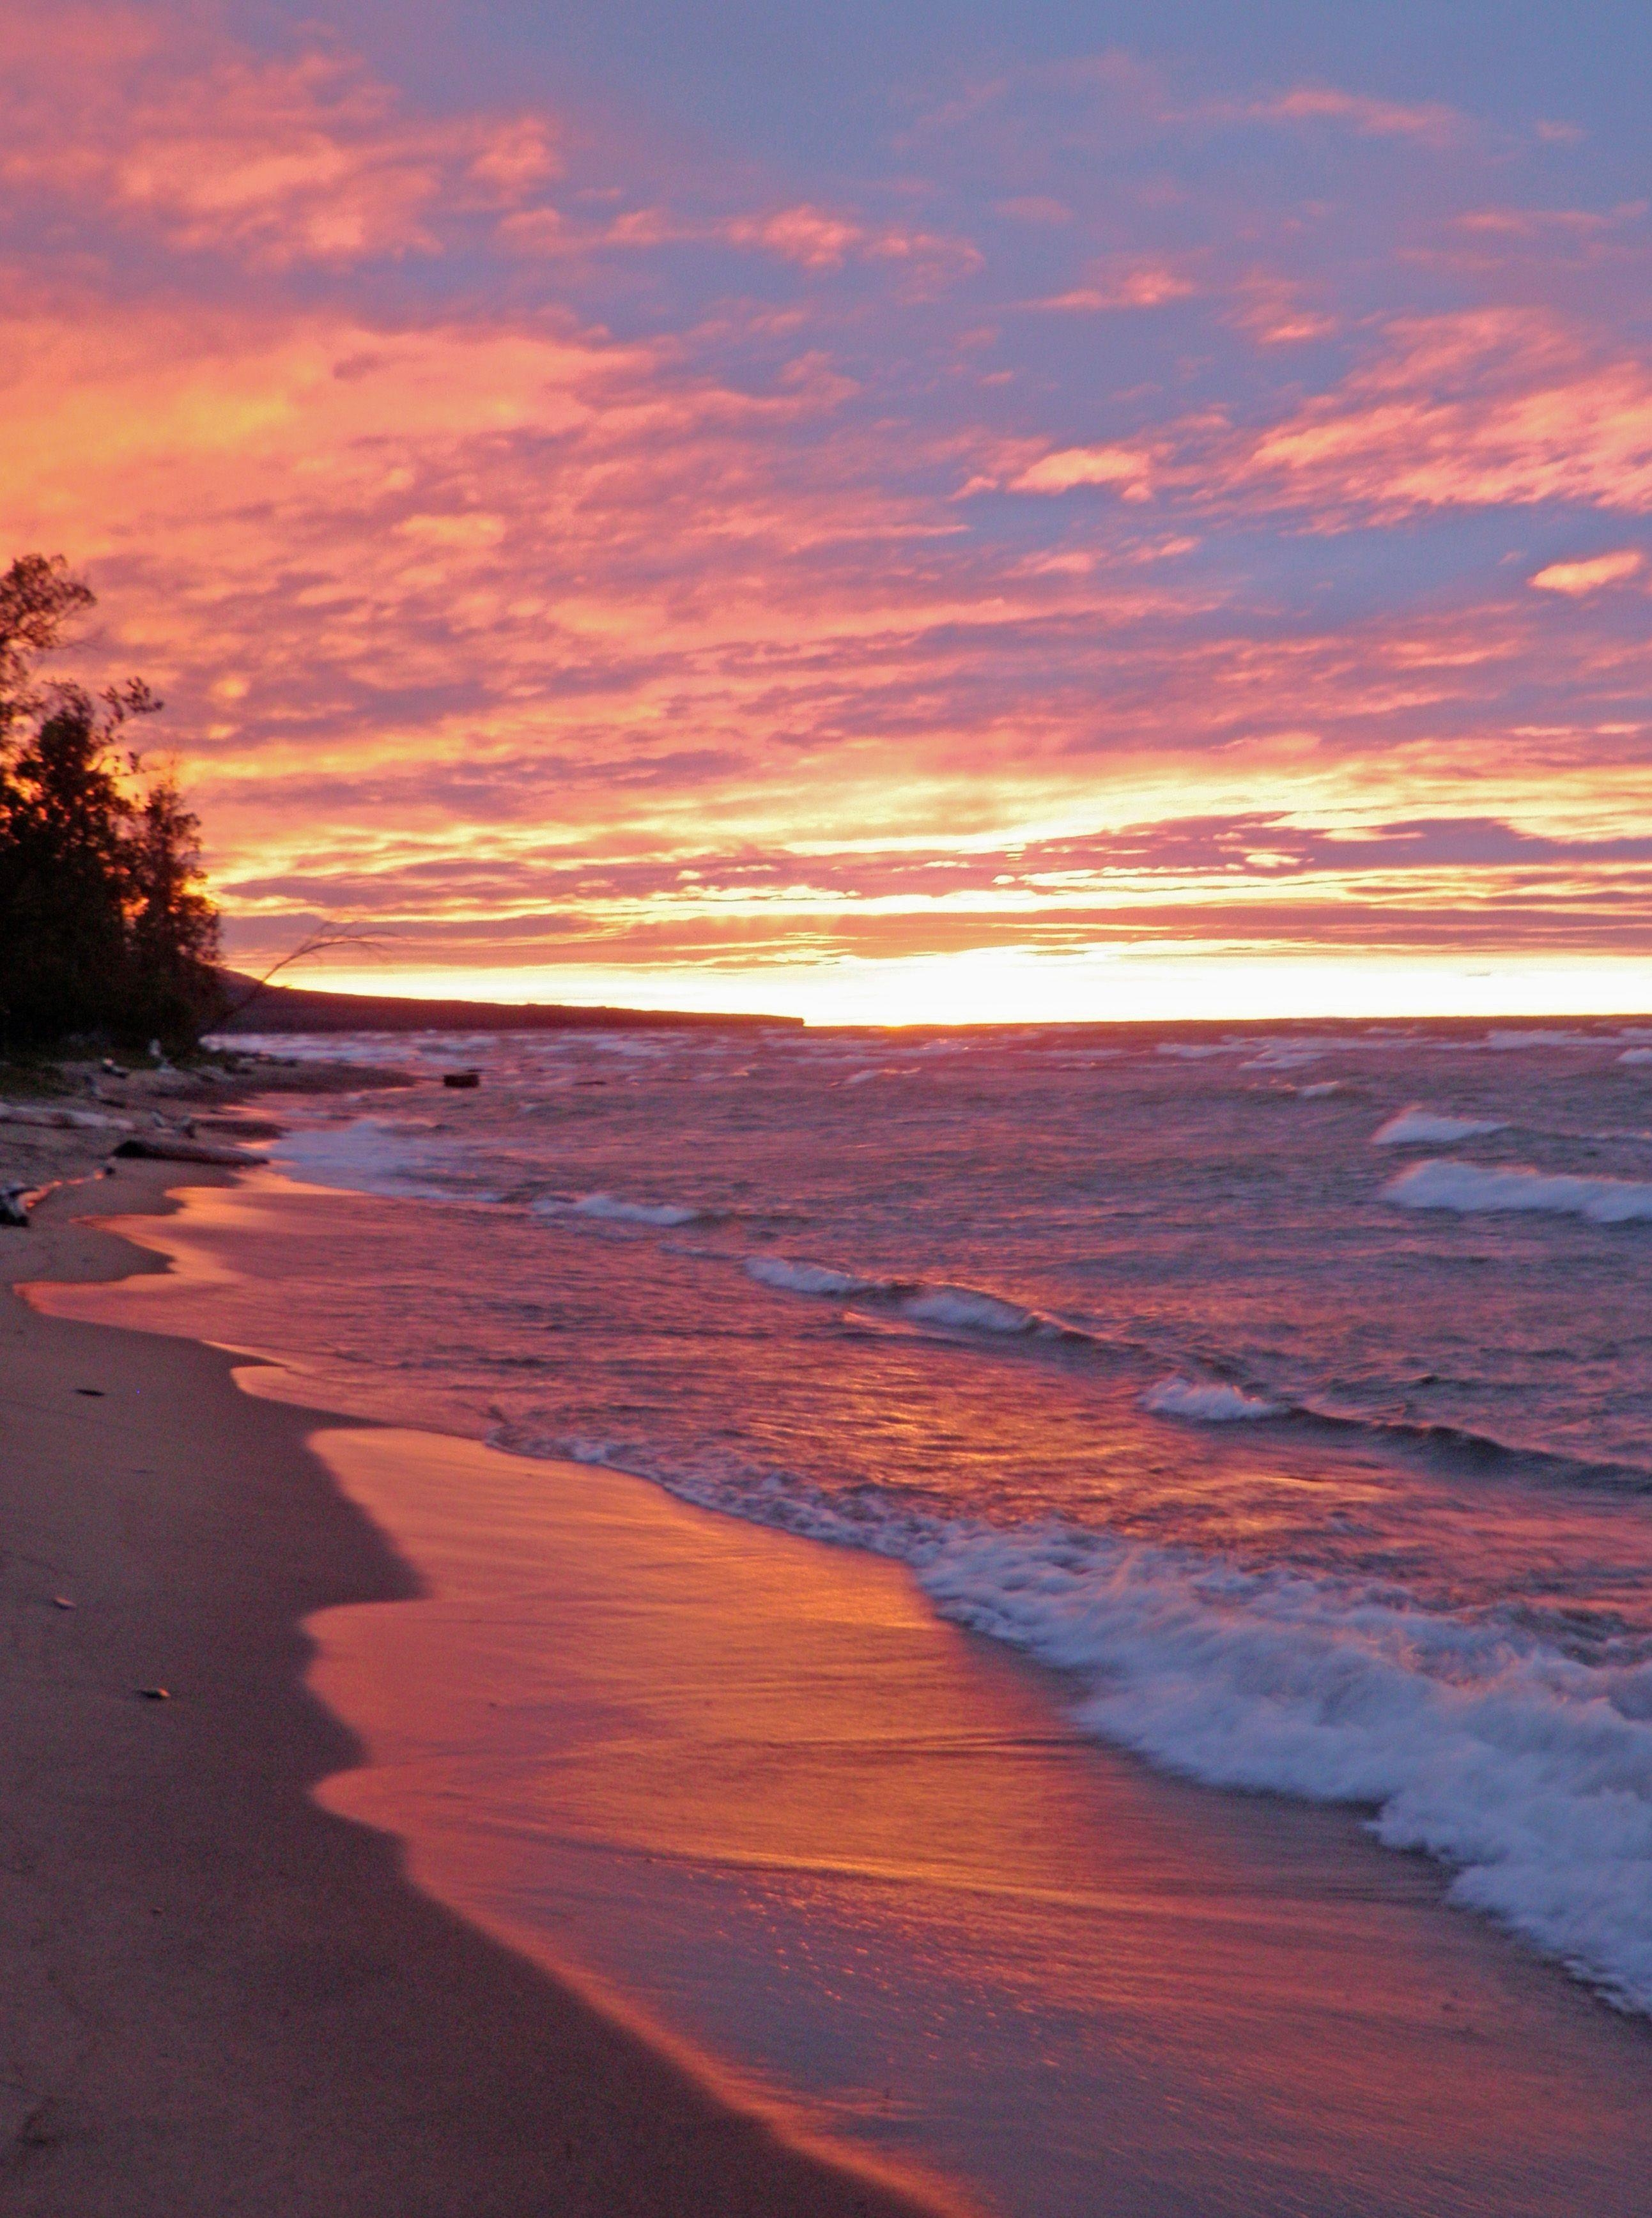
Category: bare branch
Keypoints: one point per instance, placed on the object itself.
(326, 936)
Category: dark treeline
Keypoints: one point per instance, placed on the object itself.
(104, 931)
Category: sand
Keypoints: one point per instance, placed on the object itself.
(216, 1997)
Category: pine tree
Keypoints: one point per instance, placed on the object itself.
(104, 928)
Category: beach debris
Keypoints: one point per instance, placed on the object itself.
(155, 1694)
(61, 1120)
(96, 1392)
(239, 1128)
(61, 1601)
(173, 1147)
(12, 1208)
(461, 1078)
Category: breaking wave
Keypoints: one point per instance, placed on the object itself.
(1526, 1771)
(613, 1209)
(918, 1301)
(805, 1278)
(1415, 1126)
(1208, 1403)
(1470, 1188)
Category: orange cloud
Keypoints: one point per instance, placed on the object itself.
(1123, 467)
(277, 161)
(1474, 410)
(1576, 579)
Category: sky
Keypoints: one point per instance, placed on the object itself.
(893, 511)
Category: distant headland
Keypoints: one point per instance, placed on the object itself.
(305, 1009)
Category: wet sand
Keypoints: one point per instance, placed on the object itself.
(744, 1791)
(216, 1997)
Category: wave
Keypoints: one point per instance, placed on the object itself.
(1636, 1055)
(1207, 1402)
(1438, 1444)
(613, 1209)
(1526, 1771)
(1470, 1188)
(805, 1278)
(374, 1156)
(919, 1301)
(1414, 1125)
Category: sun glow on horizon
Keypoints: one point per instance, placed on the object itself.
(1010, 986)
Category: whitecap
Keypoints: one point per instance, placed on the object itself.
(613, 1209)
(804, 1277)
(1469, 1189)
(1417, 1125)
(975, 1312)
(1209, 1401)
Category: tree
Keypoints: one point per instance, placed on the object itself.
(104, 928)
(173, 926)
(38, 600)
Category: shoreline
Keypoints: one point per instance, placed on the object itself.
(1276, 2013)
(217, 1995)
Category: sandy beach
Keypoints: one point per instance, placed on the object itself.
(216, 1997)
(775, 1839)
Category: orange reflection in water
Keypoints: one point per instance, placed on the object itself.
(748, 1782)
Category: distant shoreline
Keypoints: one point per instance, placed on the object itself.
(307, 1009)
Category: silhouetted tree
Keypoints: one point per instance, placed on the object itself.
(103, 925)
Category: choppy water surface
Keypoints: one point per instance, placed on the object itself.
(1296, 1392)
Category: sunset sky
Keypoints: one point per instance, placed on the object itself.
(894, 509)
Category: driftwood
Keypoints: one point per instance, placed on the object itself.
(162, 1147)
(60, 1120)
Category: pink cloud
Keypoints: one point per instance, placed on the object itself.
(1125, 285)
(1123, 467)
(278, 161)
(1479, 409)
(1576, 579)
(817, 239)
(1430, 122)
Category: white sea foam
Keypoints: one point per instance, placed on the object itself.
(1527, 1773)
(1636, 1055)
(805, 1278)
(1187, 1054)
(1415, 1125)
(1283, 1058)
(375, 1156)
(975, 1312)
(615, 1210)
(1209, 1401)
(958, 1308)
(1318, 1091)
(1471, 1187)
(1505, 1042)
